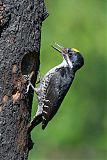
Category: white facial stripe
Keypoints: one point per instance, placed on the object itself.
(68, 61)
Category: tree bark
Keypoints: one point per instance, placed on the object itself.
(20, 32)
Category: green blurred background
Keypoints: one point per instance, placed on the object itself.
(79, 129)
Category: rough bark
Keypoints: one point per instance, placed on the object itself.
(20, 30)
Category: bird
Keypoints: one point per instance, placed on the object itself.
(55, 85)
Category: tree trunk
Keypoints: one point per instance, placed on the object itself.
(20, 30)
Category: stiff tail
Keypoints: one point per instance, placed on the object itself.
(35, 121)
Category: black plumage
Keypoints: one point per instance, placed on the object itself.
(58, 86)
(55, 85)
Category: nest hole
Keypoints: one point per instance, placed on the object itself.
(28, 63)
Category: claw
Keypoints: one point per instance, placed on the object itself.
(28, 79)
(27, 90)
(30, 85)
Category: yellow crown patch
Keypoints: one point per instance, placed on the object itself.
(75, 49)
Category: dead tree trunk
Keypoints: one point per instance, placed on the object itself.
(20, 30)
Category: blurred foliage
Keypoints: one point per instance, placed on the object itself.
(79, 129)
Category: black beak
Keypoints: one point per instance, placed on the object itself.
(64, 53)
(60, 49)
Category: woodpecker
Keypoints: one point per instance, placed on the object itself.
(55, 85)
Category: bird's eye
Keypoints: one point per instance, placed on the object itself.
(73, 62)
(69, 50)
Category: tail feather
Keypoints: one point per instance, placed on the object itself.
(35, 121)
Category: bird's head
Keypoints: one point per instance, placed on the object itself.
(72, 56)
